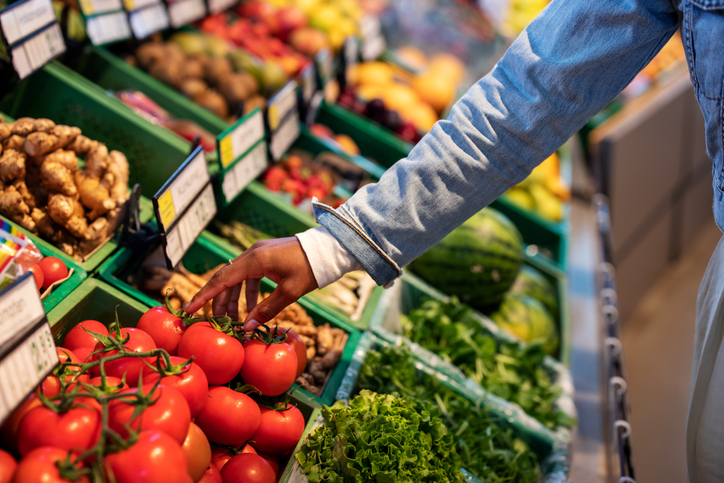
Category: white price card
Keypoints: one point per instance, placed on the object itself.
(283, 120)
(94, 7)
(218, 6)
(27, 352)
(184, 12)
(131, 5)
(190, 225)
(103, 29)
(309, 83)
(21, 19)
(244, 171)
(38, 50)
(149, 20)
(373, 42)
(325, 65)
(284, 137)
(237, 140)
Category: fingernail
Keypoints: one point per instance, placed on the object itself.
(251, 325)
(186, 305)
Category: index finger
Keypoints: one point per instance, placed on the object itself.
(226, 277)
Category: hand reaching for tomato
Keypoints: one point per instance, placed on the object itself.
(282, 260)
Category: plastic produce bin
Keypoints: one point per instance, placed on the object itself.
(204, 255)
(57, 93)
(551, 448)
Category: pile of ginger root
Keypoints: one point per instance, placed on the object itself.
(43, 190)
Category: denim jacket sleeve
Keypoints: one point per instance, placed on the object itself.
(565, 67)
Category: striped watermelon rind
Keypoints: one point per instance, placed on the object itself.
(527, 319)
(478, 261)
(533, 283)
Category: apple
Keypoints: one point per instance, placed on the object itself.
(308, 41)
(290, 19)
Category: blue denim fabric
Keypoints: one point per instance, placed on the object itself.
(564, 68)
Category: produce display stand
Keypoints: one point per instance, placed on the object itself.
(205, 255)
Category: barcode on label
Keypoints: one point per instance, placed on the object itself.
(373, 42)
(21, 20)
(190, 225)
(91, 7)
(242, 137)
(38, 50)
(103, 29)
(185, 185)
(184, 12)
(284, 137)
(25, 367)
(148, 20)
(218, 6)
(244, 171)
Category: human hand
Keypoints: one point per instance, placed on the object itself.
(281, 260)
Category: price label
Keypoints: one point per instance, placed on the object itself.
(309, 83)
(22, 19)
(237, 140)
(131, 5)
(373, 42)
(37, 51)
(350, 51)
(27, 352)
(184, 12)
(218, 6)
(183, 207)
(92, 7)
(325, 66)
(244, 171)
(103, 29)
(283, 120)
(148, 20)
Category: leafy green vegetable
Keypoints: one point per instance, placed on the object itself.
(488, 451)
(509, 370)
(381, 438)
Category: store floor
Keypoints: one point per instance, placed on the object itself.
(658, 340)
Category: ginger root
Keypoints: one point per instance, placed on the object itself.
(23, 126)
(55, 176)
(81, 145)
(5, 131)
(46, 227)
(43, 125)
(94, 195)
(12, 165)
(40, 143)
(68, 212)
(13, 142)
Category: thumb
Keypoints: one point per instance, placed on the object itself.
(269, 308)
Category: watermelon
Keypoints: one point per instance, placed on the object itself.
(533, 283)
(477, 262)
(527, 319)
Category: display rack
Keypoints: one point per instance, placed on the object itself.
(617, 428)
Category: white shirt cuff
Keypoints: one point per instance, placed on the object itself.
(328, 258)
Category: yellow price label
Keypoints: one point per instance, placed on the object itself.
(86, 6)
(166, 209)
(226, 151)
(273, 117)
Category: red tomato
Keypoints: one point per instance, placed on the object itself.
(219, 355)
(169, 414)
(71, 373)
(192, 384)
(229, 417)
(77, 337)
(11, 425)
(50, 387)
(131, 366)
(219, 456)
(53, 270)
(39, 466)
(78, 428)
(279, 431)
(83, 354)
(212, 475)
(38, 275)
(165, 328)
(299, 349)
(197, 451)
(271, 369)
(248, 449)
(155, 458)
(272, 460)
(248, 468)
(7, 467)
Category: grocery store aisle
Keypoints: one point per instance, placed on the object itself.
(658, 339)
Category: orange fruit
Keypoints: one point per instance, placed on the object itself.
(438, 91)
(448, 65)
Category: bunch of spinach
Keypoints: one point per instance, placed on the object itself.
(509, 370)
(381, 438)
(488, 451)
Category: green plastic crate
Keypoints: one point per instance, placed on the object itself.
(204, 255)
(551, 448)
(63, 290)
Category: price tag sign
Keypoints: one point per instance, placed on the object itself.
(309, 83)
(32, 33)
(107, 28)
(373, 42)
(184, 12)
(242, 154)
(218, 6)
(283, 120)
(184, 206)
(350, 52)
(94, 7)
(325, 66)
(27, 352)
(147, 20)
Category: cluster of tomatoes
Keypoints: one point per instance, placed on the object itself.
(48, 271)
(145, 404)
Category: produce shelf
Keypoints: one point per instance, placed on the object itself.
(205, 255)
